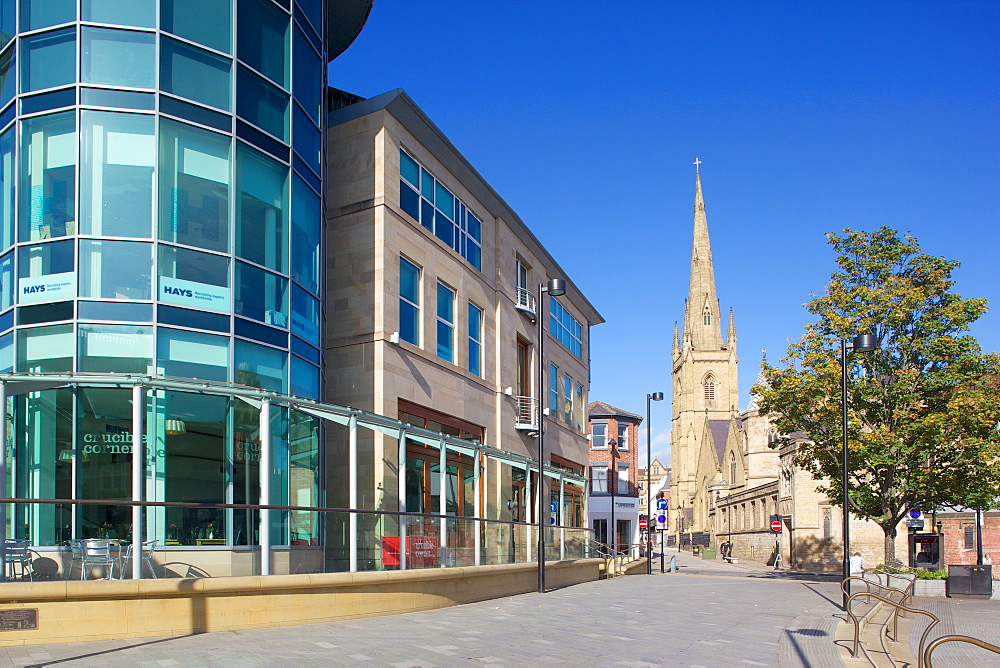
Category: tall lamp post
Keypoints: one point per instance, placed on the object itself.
(555, 287)
(613, 487)
(864, 343)
(655, 396)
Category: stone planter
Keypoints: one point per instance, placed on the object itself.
(929, 588)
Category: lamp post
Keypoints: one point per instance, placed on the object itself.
(555, 287)
(613, 487)
(655, 396)
(864, 343)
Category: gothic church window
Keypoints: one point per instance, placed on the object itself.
(707, 314)
(709, 388)
(732, 468)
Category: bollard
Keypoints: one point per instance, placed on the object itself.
(673, 564)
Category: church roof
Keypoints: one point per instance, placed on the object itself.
(720, 433)
(601, 409)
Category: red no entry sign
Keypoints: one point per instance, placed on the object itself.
(642, 524)
(776, 526)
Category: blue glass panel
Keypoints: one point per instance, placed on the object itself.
(192, 354)
(8, 80)
(258, 332)
(6, 322)
(262, 209)
(444, 200)
(444, 230)
(198, 75)
(6, 281)
(37, 14)
(45, 101)
(48, 194)
(305, 173)
(6, 194)
(409, 200)
(409, 327)
(445, 303)
(194, 113)
(120, 99)
(305, 379)
(308, 142)
(182, 317)
(409, 281)
(427, 214)
(262, 39)
(207, 22)
(140, 13)
(303, 349)
(261, 140)
(305, 315)
(444, 342)
(261, 103)
(259, 366)
(118, 58)
(307, 77)
(306, 224)
(8, 23)
(409, 169)
(127, 274)
(116, 311)
(49, 60)
(313, 9)
(261, 295)
(54, 312)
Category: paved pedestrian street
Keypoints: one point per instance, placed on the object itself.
(710, 614)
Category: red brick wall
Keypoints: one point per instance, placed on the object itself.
(630, 457)
(953, 527)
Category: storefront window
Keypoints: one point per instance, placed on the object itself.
(115, 269)
(192, 354)
(261, 295)
(303, 477)
(194, 279)
(118, 58)
(49, 60)
(140, 13)
(262, 210)
(306, 220)
(194, 73)
(116, 348)
(45, 349)
(194, 186)
(48, 177)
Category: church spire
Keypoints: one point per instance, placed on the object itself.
(731, 335)
(677, 341)
(702, 322)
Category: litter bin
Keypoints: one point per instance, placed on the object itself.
(969, 580)
(708, 553)
(696, 550)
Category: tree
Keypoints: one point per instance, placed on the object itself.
(923, 408)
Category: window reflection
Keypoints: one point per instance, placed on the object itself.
(115, 269)
(262, 227)
(48, 177)
(118, 57)
(49, 60)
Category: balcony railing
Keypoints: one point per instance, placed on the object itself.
(527, 413)
(526, 302)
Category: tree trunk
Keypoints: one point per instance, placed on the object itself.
(890, 544)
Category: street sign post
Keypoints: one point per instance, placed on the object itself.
(776, 526)
(661, 504)
(642, 524)
(661, 520)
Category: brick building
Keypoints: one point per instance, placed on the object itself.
(614, 466)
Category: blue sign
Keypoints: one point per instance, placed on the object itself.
(552, 520)
(915, 514)
(661, 504)
(553, 506)
(662, 519)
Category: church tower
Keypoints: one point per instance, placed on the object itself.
(704, 370)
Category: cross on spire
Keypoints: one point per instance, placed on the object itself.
(696, 163)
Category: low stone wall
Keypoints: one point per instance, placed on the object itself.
(69, 611)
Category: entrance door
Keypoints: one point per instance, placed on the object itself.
(624, 535)
(601, 531)
(523, 368)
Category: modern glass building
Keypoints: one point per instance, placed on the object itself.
(161, 181)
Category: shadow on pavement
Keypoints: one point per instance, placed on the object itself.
(55, 662)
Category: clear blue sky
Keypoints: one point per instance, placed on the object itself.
(809, 117)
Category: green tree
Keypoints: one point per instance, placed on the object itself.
(923, 408)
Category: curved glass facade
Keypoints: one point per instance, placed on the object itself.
(160, 214)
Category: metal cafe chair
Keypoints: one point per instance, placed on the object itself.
(97, 552)
(147, 557)
(76, 548)
(15, 553)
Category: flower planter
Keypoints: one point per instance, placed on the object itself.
(929, 588)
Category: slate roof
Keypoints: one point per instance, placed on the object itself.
(601, 409)
(720, 432)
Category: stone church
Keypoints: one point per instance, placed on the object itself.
(727, 482)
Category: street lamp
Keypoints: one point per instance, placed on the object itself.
(555, 287)
(613, 487)
(655, 396)
(864, 343)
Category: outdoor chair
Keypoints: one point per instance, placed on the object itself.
(76, 548)
(97, 552)
(15, 554)
(147, 558)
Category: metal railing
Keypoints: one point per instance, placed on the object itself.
(315, 538)
(526, 301)
(898, 607)
(925, 656)
(527, 413)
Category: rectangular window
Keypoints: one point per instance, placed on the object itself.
(969, 535)
(409, 301)
(261, 295)
(194, 73)
(599, 435)
(203, 21)
(623, 443)
(431, 204)
(306, 219)
(192, 354)
(262, 103)
(261, 210)
(475, 340)
(827, 524)
(623, 486)
(48, 60)
(7, 188)
(599, 479)
(118, 58)
(48, 177)
(567, 400)
(565, 328)
(126, 275)
(579, 407)
(194, 279)
(262, 39)
(115, 348)
(554, 389)
(445, 322)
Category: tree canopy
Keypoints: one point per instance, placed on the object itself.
(923, 408)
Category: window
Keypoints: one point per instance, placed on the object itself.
(623, 486)
(565, 327)
(709, 387)
(827, 524)
(567, 400)
(118, 57)
(261, 295)
(48, 60)
(194, 279)
(524, 387)
(260, 366)
(428, 202)
(194, 73)
(306, 220)
(305, 315)
(475, 340)
(445, 322)
(579, 407)
(772, 437)
(623, 435)
(48, 175)
(37, 14)
(116, 183)
(969, 534)
(307, 76)
(7, 188)
(599, 479)
(261, 210)
(141, 14)
(262, 103)
(115, 348)
(192, 354)
(46, 272)
(126, 274)
(554, 389)
(599, 435)
(707, 315)
(732, 467)
(194, 186)
(203, 21)
(409, 302)
(262, 39)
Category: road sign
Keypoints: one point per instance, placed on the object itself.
(776, 526)
(915, 514)
(662, 519)
(661, 504)
(642, 524)
(552, 520)
(553, 506)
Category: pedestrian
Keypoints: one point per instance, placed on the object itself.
(857, 564)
